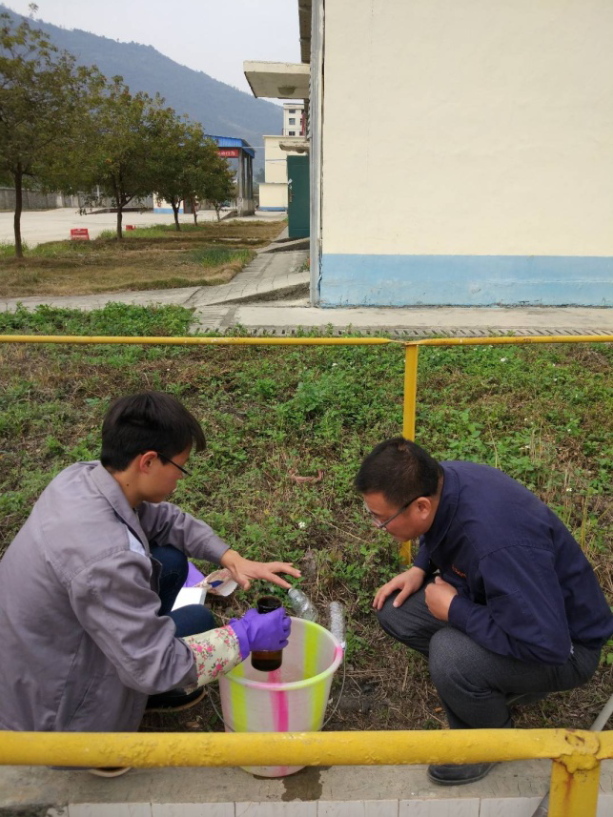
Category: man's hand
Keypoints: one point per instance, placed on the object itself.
(439, 595)
(242, 570)
(408, 582)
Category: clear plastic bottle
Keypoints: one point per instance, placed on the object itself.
(337, 622)
(302, 605)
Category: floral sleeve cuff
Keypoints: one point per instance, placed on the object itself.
(215, 652)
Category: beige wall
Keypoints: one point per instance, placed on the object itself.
(275, 164)
(468, 127)
(275, 167)
(273, 195)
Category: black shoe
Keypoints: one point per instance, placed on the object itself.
(175, 700)
(452, 774)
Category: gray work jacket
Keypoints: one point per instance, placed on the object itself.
(81, 641)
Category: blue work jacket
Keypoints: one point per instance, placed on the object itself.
(525, 587)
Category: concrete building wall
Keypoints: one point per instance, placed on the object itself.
(467, 153)
(34, 200)
(273, 196)
(273, 193)
(275, 164)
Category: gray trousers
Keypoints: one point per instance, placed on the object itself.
(474, 683)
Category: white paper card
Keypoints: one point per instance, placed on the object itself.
(189, 595)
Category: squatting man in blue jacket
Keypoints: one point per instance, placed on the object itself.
(500, 599)
(88, 635)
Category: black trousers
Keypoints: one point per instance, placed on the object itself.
(474, 683)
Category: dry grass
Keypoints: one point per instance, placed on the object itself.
(150, 258)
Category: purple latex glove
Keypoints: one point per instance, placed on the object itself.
(262, 631)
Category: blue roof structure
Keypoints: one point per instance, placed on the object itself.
(233, 142)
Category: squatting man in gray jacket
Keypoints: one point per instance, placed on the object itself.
(88, 637)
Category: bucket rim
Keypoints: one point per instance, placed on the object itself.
(291, 685)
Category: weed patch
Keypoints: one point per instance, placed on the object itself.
(540, 413)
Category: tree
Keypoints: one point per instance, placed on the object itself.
(44, 97)
(180, 149)
(209, 177)
(126, 132)
(191, 169)
(219, 183)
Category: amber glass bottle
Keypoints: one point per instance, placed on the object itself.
(267, 660)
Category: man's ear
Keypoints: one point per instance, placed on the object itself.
(424, 505)
(145, 461)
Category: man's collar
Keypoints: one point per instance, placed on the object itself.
(111, 489)
(445, 512)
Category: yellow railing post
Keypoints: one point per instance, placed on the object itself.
(573, 794)
(410, 391)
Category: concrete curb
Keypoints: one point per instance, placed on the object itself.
(510, 790)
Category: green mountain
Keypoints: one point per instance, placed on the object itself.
(222, 109)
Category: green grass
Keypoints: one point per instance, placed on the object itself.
(7, 250)
(218, 256)
(541, 413)
(166, 230)
(152, 231)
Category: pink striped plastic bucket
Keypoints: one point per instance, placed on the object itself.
(290, 699)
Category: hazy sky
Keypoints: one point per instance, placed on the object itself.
(213, 36)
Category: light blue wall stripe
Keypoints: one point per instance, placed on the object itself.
(465, 280)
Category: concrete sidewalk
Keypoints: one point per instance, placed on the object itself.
(271, 296)
(510, 790)
(277, 271)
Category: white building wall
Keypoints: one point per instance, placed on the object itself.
(273, 196)
(273, 193)
(275, 160)
(295, 111)
(467, 152)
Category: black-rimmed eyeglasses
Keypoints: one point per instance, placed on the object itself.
(176, 464)
(400, 510)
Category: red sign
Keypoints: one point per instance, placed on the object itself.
(229, 153)
(79, 234)
(130, 226)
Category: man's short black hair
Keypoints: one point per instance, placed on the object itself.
(149, 421)
(399, 469)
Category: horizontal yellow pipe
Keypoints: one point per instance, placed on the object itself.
(578, 749)
(198, 340)
(194, 340)
(508, 339)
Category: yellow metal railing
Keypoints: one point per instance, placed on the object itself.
(575, 773)
(411, 360)
(576, 755)
(411, 350)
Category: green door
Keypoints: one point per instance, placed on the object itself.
(298, 196)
